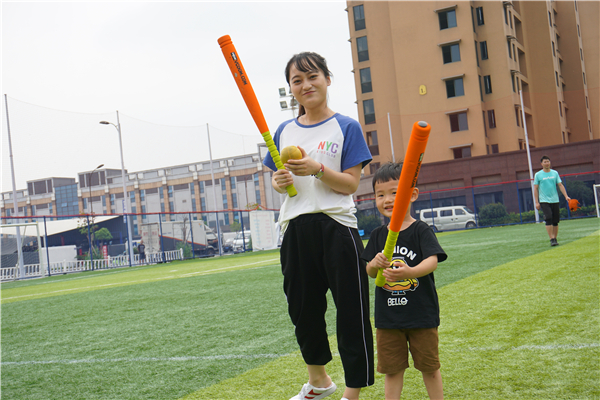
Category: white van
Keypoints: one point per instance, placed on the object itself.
(448, 218)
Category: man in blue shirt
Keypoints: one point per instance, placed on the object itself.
(546, 197)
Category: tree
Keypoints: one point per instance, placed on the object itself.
(82, 224)
(103, 234)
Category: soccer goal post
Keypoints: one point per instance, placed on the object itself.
(596, 195)
(31, 264)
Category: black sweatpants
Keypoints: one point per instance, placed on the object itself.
(318, 254)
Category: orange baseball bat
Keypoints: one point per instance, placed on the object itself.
(408, 180)
(243, 83)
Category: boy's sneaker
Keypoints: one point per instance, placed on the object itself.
(553, 242)
(309, 392)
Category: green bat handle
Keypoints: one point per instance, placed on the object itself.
(291, 190)
(388, 251)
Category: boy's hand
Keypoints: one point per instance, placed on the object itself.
(380, 261)
(399, 272)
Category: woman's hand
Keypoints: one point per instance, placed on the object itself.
(281, 179)
(305, 166)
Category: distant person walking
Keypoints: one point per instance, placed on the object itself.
(546, 197)
(142, 252)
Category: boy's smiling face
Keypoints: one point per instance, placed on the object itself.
(385, 193)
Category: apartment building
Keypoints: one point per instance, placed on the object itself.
(239, 182)
(461, 65)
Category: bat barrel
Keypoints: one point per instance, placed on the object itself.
(224, 41)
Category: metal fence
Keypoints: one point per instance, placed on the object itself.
(493, 204)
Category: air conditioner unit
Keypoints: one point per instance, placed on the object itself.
(230, 163)
(222, 163)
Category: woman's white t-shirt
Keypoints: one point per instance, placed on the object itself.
(337, 143)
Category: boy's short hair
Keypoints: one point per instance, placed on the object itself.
(544, 158)
(387, 172)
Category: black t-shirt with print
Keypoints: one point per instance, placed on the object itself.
(411, 303)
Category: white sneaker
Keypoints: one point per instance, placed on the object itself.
(309, 392)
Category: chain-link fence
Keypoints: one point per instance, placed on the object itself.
(70, 243)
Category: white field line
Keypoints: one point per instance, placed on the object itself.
(294, 354)
(152, 359)
(139, 281)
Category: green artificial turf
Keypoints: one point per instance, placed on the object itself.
(519, 320)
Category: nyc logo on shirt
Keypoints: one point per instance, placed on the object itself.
(329, 149)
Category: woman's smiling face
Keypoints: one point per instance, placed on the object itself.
(309, 88)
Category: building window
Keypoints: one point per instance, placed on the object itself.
(556, 75)
(225, 207)
(584, 82)
(550, 19)
(509, 54)
(517, 115)
(473, 18)
(223, 185)
(234, 202)
(495, 149)
(373, 143)
(362, 48)
(170, 191)
(510, 19)
(462, 152)
(492, 118)
(479, 12)
(505, 16)
(373, 167)
(369, 110)
(484, 125)
(454, 87)
(458, 122)
(484, 51)
(560, 108)
(553, 49)
(447, 19)
(359, 17)
(581, 54)
(451, 53)
(476, 53)
(487, 84)
(365, 80)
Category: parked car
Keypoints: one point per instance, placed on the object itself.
(448, 218)
(240, 240)
(227, 239)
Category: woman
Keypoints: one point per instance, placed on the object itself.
(321, 246)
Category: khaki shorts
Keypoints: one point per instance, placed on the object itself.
(393, 348)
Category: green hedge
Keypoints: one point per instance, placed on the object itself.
(496, 214)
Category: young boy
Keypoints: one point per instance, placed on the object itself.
(406, 307)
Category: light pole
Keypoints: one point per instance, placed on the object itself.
(125, 216)
(89, 183)
(90, 187)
